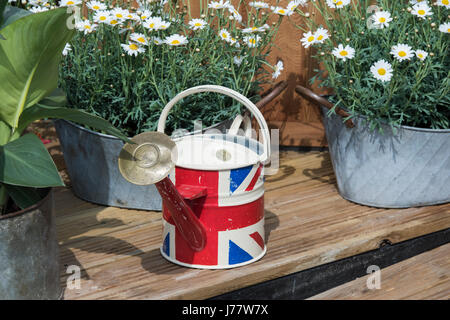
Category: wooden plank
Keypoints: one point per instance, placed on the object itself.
(423, 277)
(307, 224)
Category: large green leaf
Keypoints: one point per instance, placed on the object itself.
(26, 162)
(12, 14)
(3, 4)
(24, 196)
(29, 59)
(41, 111)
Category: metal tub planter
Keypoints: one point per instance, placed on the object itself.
(402, 169)
(91, 160)
(29, 256)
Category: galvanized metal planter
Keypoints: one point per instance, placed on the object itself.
(91, 160)
(406, 168)
(29, 256)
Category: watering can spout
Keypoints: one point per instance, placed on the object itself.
(148, 161)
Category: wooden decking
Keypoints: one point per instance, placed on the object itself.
(423, 277)
(307, 224)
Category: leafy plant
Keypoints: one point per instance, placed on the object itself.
(126, 63)
(386, 60)
(30, 53)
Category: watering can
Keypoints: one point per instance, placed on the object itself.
(212, 186)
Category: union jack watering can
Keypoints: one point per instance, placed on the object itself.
(212, 186)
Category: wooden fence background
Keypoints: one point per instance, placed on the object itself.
(299, 121)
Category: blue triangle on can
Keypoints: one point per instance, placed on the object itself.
(236, 254)
(166, 245)
(237, 176)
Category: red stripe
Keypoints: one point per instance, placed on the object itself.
(255, 178)
(257, 237)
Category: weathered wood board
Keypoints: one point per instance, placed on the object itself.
(423, 277)
(307, 224)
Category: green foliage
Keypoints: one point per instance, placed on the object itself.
(418, 92)
(130, 91)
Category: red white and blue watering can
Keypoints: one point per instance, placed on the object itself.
(212, 186)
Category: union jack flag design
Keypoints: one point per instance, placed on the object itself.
(232, 212)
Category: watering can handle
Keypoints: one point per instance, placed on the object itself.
(322, 101)
(228, 92)
(234, 128)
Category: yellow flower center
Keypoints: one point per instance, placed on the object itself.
(252, 41)
(446, 2)
(224, 35)
(103, 18)
(339, 3)
(198, 24)
(381, 71)
(420, 55)
(140, 39)
(86, 26)
(402, 54)
(134, 46)
(343, 53)
(320, 37)
(282, 11)
(143, 17)
(70, 2)
(95, 7)
(152, 25)
(175, 42)
(421, 12)
(119, 15)
(311, 39)
(113, 22)
(382, 20)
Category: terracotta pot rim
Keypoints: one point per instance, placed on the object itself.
(30, 208)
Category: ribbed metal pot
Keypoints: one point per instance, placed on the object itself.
(29, 255)
(406, 168)
(91, 161)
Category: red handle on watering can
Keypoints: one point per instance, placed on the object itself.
(187, 223)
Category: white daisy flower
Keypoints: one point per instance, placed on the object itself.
(85, 26)
(402, 52)
(344, 53)
(381, 19)
(259, 5)
(102, 16)
(132, 16)
(321, 35)
(113, 21)
(66, 49)
(197, 24)
(422, 10)
(382, 70)
(38, 9)
(119, 13)
(152, 23)
(445, 28)
(158, 41)
(252, 41)
(238, 60)
(225, 35)
(292, 5)
(176, 40)
(219, 4)
(96, 5)
(308, 39)
(139, 38)
(277, 69)
(413, 2)
(443, 3)
(256, 29)
(164, 25)
(421, 54)
(235, 14)
(69, 3)
(282, 11)
(132, 48)
(144, 15)
(337, 4)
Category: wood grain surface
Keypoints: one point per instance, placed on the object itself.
(307, 224)
(423, 277)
